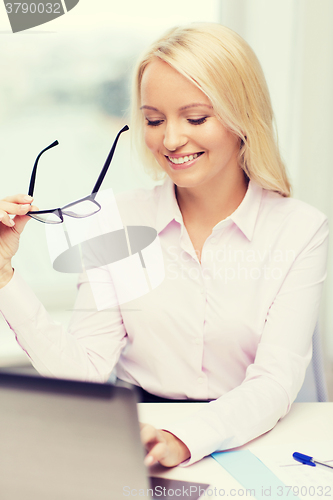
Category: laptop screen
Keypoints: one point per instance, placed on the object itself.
(67, 440)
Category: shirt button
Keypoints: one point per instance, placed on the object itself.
(200, 380)
(213, 240)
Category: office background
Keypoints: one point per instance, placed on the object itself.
(70, 79)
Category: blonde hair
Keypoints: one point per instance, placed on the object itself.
(223, 66)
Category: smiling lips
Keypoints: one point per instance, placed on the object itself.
(180, 160)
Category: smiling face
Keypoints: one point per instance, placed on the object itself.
(183, 133)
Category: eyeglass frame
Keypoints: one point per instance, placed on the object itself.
(91, 197)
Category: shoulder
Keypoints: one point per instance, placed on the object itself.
(290, 211)
(289, 223)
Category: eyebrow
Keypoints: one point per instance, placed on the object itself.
(194, 105)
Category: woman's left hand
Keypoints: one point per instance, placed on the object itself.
(163, 447)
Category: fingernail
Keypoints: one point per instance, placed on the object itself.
(11, 222)
(148, 460)
(28, 198)
(25, 206)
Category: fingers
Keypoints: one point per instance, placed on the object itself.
(18, 198)
(155, 444)
(163, 447)
(8, 221)
(148, 434)
(158, 453)
(18, 204)
(15, 208)
(22, 220)
(21, 210)
(5, 219)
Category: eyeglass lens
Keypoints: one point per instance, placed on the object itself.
(48, 217)
(82, 208)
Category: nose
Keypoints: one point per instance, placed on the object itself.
(174, 137)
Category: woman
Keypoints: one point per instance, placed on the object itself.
(233, 319)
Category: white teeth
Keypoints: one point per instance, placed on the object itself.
(183, 159)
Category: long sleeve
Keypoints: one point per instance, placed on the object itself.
(90, 348)
(272, 382)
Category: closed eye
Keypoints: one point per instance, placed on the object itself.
(199, 121)
(192, 121)
(154, 123)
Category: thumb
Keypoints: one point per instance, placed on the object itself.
(22, 220)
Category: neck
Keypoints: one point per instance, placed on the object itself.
(209, 204)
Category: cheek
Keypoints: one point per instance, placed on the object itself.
(151, 139)
(226, 143)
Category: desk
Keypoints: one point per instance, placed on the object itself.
(304, 422)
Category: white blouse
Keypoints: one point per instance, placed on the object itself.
(235, 328)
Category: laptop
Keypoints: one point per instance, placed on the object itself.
(68, 440)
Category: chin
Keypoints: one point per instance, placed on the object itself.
(182, 182)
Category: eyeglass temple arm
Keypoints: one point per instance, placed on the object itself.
(107, 163)
(34, 170)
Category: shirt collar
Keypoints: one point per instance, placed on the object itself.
(244, 216)
(167, 208)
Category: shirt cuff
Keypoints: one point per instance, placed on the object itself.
(199, 434)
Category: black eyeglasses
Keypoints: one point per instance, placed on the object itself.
(80, 208)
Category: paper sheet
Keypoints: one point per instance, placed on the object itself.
(305, 481)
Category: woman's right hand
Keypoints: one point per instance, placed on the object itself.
(11, 229)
